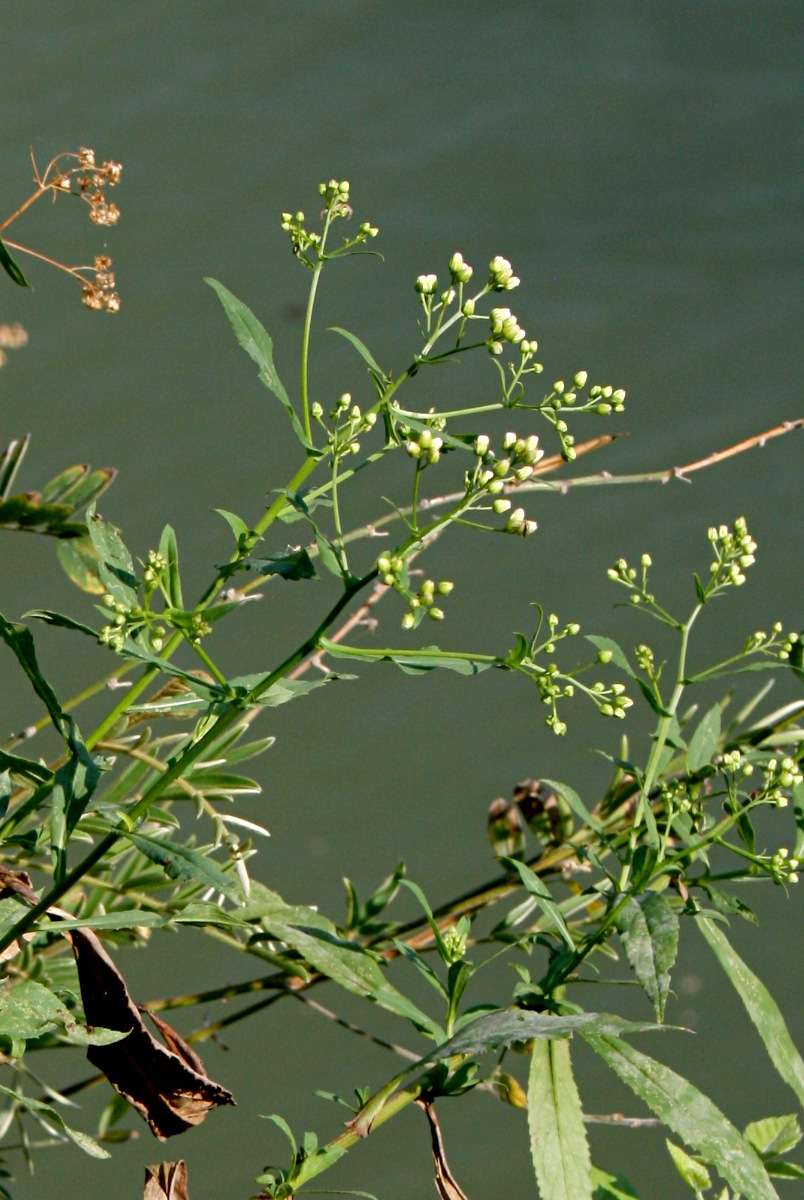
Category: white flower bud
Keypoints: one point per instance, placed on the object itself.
(501, 505)
(579, 379)
(468, 308)
(509, 441)
(413, 449)
(482, 442)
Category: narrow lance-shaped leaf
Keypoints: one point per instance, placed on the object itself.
(184, 864)
(689, 1113)
(47, 1114)
(11, 266)
(257, 343)
(649, 931)
(761, 1008)
(558, 1142)
(704, 741)
(509, 1025)
(169, 550)
(412, 662)
(541, 893)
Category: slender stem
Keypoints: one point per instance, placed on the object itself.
(26, 204)
(52, 262)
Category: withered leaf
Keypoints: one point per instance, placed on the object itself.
(167, 1085)
(166, 1181)
(446, 1184)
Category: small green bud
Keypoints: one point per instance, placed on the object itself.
(579, 379)
(603, 410)
(501, 505)
(468, 308)
(558, 387)
(444, 587)
(496, 486)
(408, 621)
(317, 410)
(482, 442)
(437, 614)
(604, 657)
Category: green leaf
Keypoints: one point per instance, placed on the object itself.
(79, 561)
(11, 267)
(539, 890)
(690, 1114)
(123, 918)
(28, 1010)
(61, 484)
(783, 1170)
(364, 352)
(558, 1142)
(350, 966)
(694, 1174)
(186, 865)
(256, 342)
(761, 1008)
(509, 1025)
(575, 802)
(115, 565)
(704, 741)
(611, 1187)
(48, 1114)
(774, 1135)
(293, 565)
(20, 641)
(59, 619)
(91, 487)
(649, 931)
(169, 549)
(618, 656)
(412, 662)
(26, 767)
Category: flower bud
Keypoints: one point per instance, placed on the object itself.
(502, 505)
(482, 442)
(579, 379)
(468, 308)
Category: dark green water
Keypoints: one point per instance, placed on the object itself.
(635, 161)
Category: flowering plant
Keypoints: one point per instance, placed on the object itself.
(96, 849)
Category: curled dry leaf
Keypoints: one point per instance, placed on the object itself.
(166, 1181)
(16, 883)
(166, 1084)
(446, 1184)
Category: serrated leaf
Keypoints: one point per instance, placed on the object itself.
(257, 343)
(169, 550)
(611, 1187)
(541, 893)
(704, 741)
(689, 1113)
(774, 1135)
(79, 561)
(115, 564)
(184, 864)
(694, 1174)
(509, 1025)
(11, 266)
(761, 1008)
(558, 1143)
(649, 932)
(28, 1010)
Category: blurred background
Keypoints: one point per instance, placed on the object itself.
(634, 161)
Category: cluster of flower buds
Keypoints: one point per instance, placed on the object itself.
(425, 447)
(734, 763)
(12, 337)
(99, 294)
(452, 947)
(114, 634)
(780, 777)
(493, 475)
(392, 572)
(636, 581)
(501, 275)
(506, 328)
(645, 659)
(776, 642)
(609, 399)
(783, 868)
(350, 421)
(734, 553)
(612, 700)
(92, 186)
(459, 270)
(677, 798)
(335, 193)
(154, 569)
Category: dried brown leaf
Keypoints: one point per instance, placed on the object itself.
(166, 1181)
(166, 1084)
